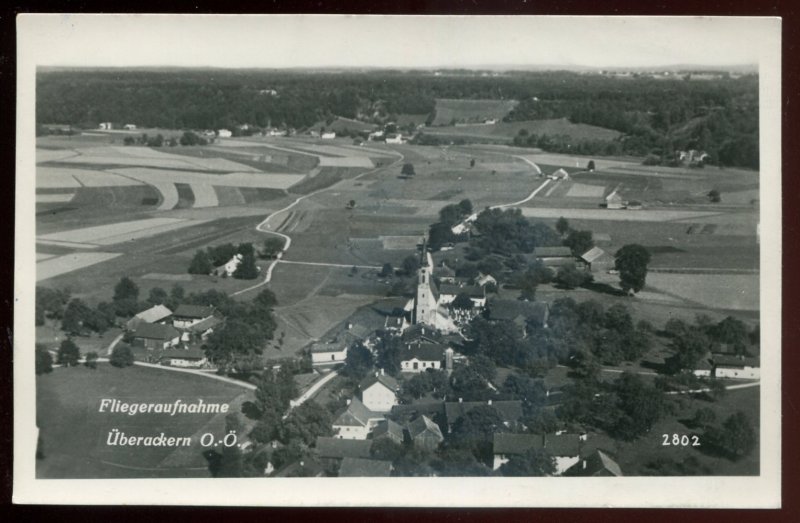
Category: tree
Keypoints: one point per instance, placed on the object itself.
(569, 277)
(272, 246)
(579, 241)
(121, 356)
(703, 417)
(157, 296)
(68, 353)
(305, 423)
(386, 270)
(231, 463)
(534, 462)
(689, 348)
(465, 206)
(44, 361)
(631, 262)
(714, 196)
(359, 361)
(462, 301)
(91, 360)
(410, 265)
(200, 263)
(408, 170)
(75, 314)
(562, 226)
(246, 270)
(126, 290)
(640, 406)
(590, 166)
(735, 439)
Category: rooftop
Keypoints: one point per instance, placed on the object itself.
(154, 314)
(423, 351)
(337, 448)
(473, 291)
(384, 379)
(206, 324)
(552, 252)
(190, 354)
(156, 331)
(509, 411)
(734, 361)
(370, 468)
(594, 254)
(388, 427)
(356, 415)
(596, 464)
(555, 445)
(423, 424)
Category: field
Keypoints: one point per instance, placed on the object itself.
(55, 266)
(506, 131)
(74, 433)
(119, 232)
(711, 290)
(448, 110)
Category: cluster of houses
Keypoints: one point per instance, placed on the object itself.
(172, 336)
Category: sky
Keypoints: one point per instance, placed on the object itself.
(390, 41)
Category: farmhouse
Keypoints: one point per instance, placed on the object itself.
(445, 274)
(510, 411)
(105, 126)
(331, 353)
(202, 330)
(703, 368)
(328, 136)
(130, 127)
(520, 313)
(390, 430)
(192, 358)
(564, 448)
(379, 392)
(232, 264)
(425, 433)
(187, 315)
(155, 314)
(554, 256)
(614, 201)
(375, 135)
(364, 468)
(448, 293)
(396, 324)
(483, 280)
(156, 336)
(224, 133)
(356, 421)
(335, 449)
(419, 357)
(396, 139)
(596, 259)
(736, 367)
(597, 464)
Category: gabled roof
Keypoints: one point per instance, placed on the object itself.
(562, 444)
(420, 331)
(384, 379)
(360, 468)
(388, 427)
(516, 310)
(423, 352)
(356, 415)
(509, 411)
(596, 464)
(193, 311)
(734, 361)
(156, 331)
(206, 324)
(307, 467)
(554, 444)
(338, 448)
(394, 322)
(154, 314)
(594, 254)
(424, 424)
(331, 346)
(552, 252)
(191, 354)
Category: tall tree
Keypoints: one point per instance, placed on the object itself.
(631, 262)
(121, 356)
(68, 353)
(408, 170)
(44, 361)
(201, 264)
(126, 289)
(562, 226)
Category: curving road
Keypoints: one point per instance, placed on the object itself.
(264, 225)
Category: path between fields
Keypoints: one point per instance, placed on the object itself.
(311, 391)
(264, 225)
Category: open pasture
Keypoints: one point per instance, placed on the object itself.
(347, 161)
(646, 215)
(120, 232)
(56, 177)
(148, 157)
(448, 110)
(237, 179)
(729, 291)
(52, 155)
(55, 266)
(506, 131)
(74, 433)
(54, 197)
(580, 162)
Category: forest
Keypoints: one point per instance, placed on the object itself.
(718, 116)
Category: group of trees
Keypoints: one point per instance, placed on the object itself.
(208, 260)
(692, 342)
(440, 233)
(508, 232)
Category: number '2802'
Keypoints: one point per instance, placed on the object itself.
(680, 440)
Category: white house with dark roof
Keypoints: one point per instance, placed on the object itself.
(156, 336)
(356, 421)
(421, 356)
(187, 315)
(736, 367)
(564, 448)
(191, 358)
(448, 293)
(554, 256)
(379, 392)
(327, 354)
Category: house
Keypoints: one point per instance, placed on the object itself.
(201, 330)
(560, 174)
(379, 392)
(224, 133)
(425, 433)
(448, 293)
(445, 274)
(304, 468)
(364, 468)
(421, 356)
(187, 315)
(232, 264)
(482, 280)
(736, 367)
(390, 430)
(105, 126)
(596, 259)
(554, 256)
(597, 464)
(396, 324)
(154, 314)
(328, 136)
(336, 449)
(520, 313)
(704, 368)
(331, 353)
(614, 201)
(421, 333)
(130, 127)
(156, 336)
(510, 411)
(564, 448)
(396, 139)
(356, 421)
(191, 358)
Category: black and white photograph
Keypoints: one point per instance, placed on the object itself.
(471, 260)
